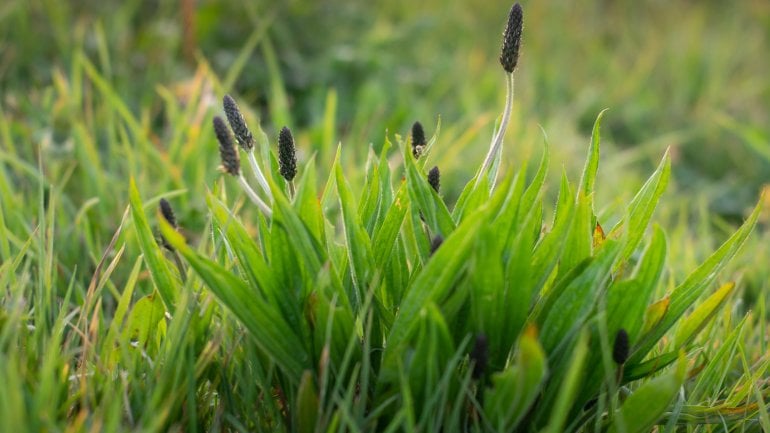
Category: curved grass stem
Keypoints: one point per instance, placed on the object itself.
(495, 148)
(254, 197)
(258, 173)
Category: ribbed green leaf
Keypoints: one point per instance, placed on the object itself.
(516, 388)
(432, 283)
(704, 312)
(641, 208)
(569, 386)
(159, 272)
(270, 331)
(644, 408)
(688, 292)
(573, 304)
(358, 243)
(588, 179)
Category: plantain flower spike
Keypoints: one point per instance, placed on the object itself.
(509, 55)
(167, 212)
(287, 156)
(418, 139)
(238, 123)
(434, 178)
(620, 348)
(231, 164)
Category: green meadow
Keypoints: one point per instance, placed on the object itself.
(340, 216)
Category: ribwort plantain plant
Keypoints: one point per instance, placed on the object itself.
(397, 313)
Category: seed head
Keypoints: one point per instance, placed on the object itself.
(418, 139)
(227, 152)
(509, 55)
(167, 212)
(435, 243)
(620, 348)
(479, 356)
(287, 157)
(434, 178)
(237, 122)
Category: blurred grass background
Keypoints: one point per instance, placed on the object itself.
(100, 90)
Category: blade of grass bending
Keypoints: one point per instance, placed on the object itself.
(441, 271)
(569, 387)
(359, 245)
(703, 314)
(588, 179)
(641, 208)
(645, 407)
(159, 272)
(688, 292)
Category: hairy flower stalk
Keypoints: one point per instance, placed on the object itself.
(231, 164)
(418, 140)
(245, 139)
(434, 178)
(509, 58)
(287, 156)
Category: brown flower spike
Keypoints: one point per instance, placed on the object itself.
(287, 157)
(509, 55)
(418, 139)
(238, 123)
(230, 162)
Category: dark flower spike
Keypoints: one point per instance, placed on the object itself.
(509, 55)
(435, 243)
(434, 178)
(418, 139)
(479, 356)
(229, 155)
(167, 212)
(237, 122)
(621, 347)
(287, 156)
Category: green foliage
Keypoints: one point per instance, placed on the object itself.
(495, 270)
(333, 312)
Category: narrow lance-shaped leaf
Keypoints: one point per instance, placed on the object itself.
(647, 404)
(271, 333)
(153, 255)
(688, 292)
(702, 315)
(588, 180)
(358, 243)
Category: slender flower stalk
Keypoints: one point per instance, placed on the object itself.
(246, 140)
(509, 58)
(253, 196)
(231, 164)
